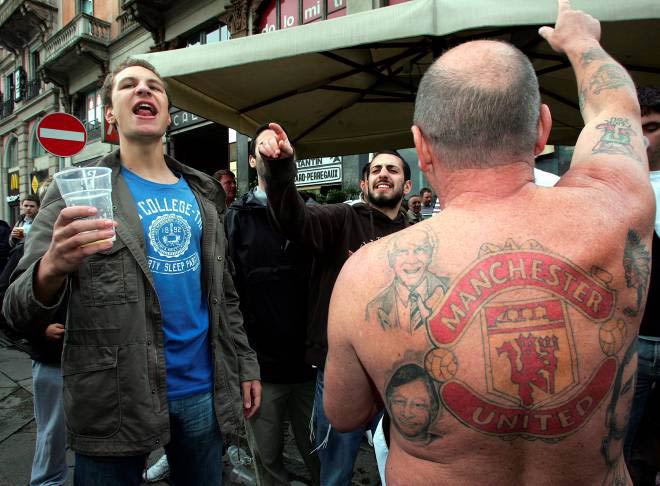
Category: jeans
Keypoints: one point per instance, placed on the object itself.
(648, 377)
(194, 451)
(49, 464)
(337, 450)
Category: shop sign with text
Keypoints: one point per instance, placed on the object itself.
(323, 170)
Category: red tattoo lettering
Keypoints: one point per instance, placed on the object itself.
(495, 273)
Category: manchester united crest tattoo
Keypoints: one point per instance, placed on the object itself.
(527, 306)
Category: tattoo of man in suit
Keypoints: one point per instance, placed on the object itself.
(408, 301)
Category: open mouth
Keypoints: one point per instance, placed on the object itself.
(145, 109)
(383, 185)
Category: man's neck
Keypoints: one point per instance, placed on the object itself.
(146, 160)
(483, 185)
(391, 213)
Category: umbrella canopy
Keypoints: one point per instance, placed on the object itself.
(348, 85)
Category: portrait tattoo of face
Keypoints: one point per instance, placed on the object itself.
(408, 301)
(413, 402)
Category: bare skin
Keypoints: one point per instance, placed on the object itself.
(529, 347)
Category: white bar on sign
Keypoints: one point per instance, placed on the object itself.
(62, 134)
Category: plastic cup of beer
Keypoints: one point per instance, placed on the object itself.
(87, 186)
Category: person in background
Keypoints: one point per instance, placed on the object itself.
(414, 212)
(272, 279)
(227, 180)
(332, 232)
(427, 202)
(29, 210)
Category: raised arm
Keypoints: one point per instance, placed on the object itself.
(610, 148)
(317, 227)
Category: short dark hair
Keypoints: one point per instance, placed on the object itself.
(32, 197)
(406, 167)
(106, 89)
(649, 99)
(423, 190)
(223, 172)
(472, 123)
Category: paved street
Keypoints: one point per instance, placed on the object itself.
(18, 431)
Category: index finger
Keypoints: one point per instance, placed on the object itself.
(563, 5)
(279, 131)
(71, 213)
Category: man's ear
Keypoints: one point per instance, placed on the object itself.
(109, 115)
(543, 129)
(422, 148)
(407, 187)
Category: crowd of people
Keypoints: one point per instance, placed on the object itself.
(488, 335)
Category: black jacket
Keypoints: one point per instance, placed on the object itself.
(332, 232)
(271, 275)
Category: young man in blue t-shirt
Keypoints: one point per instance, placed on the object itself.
(155, 353)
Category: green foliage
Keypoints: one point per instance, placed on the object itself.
(335, 196)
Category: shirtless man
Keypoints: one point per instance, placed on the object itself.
(530, 348)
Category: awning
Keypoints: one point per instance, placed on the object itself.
(348, 85)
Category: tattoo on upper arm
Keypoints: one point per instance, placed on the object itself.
(608, 76)
(406, 303)
(518, 309)
(616, 138)
(637, 266)
(593, 54)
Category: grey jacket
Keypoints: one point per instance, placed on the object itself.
(115, 396)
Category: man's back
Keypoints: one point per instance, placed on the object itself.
(523, 351)
(518, 367)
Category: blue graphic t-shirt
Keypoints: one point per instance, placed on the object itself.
(172, 227)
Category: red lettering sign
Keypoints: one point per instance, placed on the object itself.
(288, 13)
(268, 19)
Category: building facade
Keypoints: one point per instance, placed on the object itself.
(54, 55)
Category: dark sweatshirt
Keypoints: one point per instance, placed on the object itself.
(271, 275)
(332, 232)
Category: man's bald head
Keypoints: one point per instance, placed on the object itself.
(478, 105)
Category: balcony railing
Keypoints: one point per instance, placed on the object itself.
(83, 26)
(6, 108)
(126, 22)
(32, 89)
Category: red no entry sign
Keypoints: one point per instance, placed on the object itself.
(61, 134)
